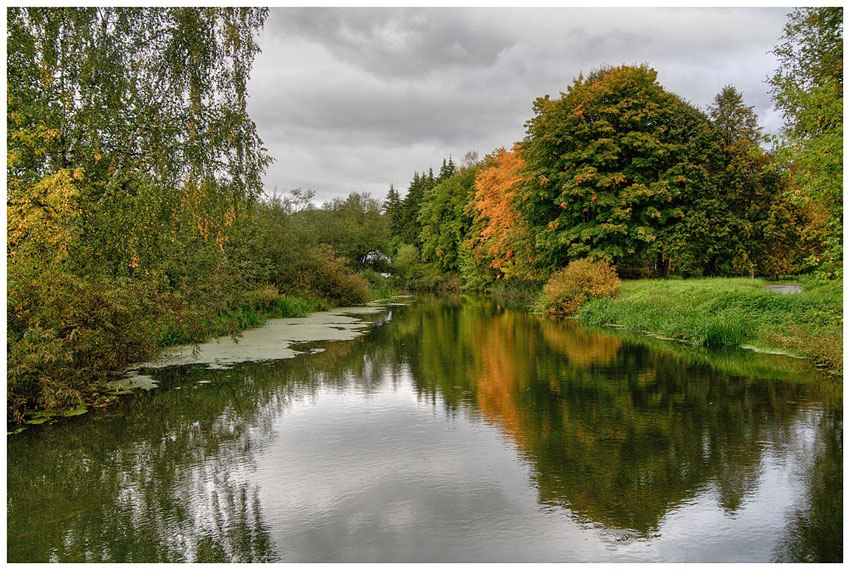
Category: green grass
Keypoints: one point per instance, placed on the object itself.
(730, 312)
(522, 292)
(252, 310)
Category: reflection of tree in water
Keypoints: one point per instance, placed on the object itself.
(164, 475)
(816, 530)
(616, 432)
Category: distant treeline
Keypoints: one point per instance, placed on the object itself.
(137, 217)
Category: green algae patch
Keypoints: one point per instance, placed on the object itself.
(78, 411)
(277, 339)
(39, 419)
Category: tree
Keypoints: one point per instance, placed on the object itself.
(147, 107)
(354, 226)
(392, 210)
(611, 168)
(734, 119)
(447, 169)
(808, 88)
(747, 184)
(131, 166)
(406, 226)
(502, 238)
(445, 220)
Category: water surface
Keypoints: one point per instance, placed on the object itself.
(451, 430)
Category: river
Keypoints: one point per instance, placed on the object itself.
(445, 430)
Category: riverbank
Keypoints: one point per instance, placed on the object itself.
(190, 327)
(731, 312)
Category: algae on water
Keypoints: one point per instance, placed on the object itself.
(273, 341)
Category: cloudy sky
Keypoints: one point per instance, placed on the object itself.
(354, 99)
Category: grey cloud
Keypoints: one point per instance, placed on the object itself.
(397, 42)
(397, 114)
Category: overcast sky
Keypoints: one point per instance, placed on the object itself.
(354, 99)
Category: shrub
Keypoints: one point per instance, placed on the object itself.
(380, 287)
(407, 262)
(320, 272)
(569, 288)
(66, 333)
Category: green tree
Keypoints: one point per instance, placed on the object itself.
(131, 165)
(612, 167)
(446, 220)
(409, 227)
(392, 210)
(355, 227)
(447, 169)
(808, 87)
(747, 184)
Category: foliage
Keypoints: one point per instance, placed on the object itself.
(354, 226)
(406, 261)
(759, 220)
(568, 289)
(413, 275)
(319, 271)
(808, 88)
(445, 220)
(408, 226)
(403, 214)
(612, 168)
(502, 236)
(380, 287)
(65, 333)
(131, 163)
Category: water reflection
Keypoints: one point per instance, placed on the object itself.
(455, 430)
(620, 433)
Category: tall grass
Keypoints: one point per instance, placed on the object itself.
(251, 309)
(730, 312)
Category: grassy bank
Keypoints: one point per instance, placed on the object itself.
(50, 375)
(730, 312)
(250, 309)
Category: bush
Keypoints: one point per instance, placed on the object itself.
(320, 272)
(568, 289)
(407, 262)
(380, 287)
(66, 333)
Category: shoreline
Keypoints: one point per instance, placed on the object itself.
(338, 323)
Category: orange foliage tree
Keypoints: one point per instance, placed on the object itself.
(504, 240)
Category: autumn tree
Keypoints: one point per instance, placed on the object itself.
(502, 239)
(611, 168)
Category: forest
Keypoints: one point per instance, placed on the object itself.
(137, 217)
